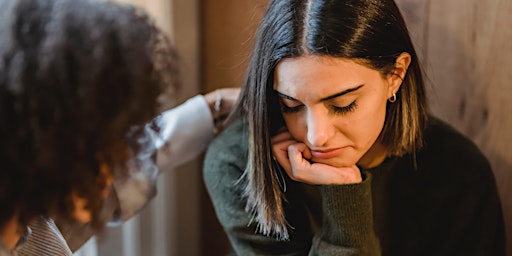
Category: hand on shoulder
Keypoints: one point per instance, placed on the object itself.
(221, 102)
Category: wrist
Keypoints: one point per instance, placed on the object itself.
(211, 99)
(214, 100)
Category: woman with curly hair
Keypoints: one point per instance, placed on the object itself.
(79, 82)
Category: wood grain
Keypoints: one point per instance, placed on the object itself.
(467, 51)
(228, 29)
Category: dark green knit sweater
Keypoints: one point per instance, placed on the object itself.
(447, 205)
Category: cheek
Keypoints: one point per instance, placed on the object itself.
(376, 123)
(379, 115)
(366, 125)
(295, 127)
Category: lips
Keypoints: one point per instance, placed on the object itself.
(326, 154)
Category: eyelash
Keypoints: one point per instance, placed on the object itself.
(337, 110)
(289, 110)
(344, 110)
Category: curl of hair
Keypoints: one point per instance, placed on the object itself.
(370, 32)
(75, 76)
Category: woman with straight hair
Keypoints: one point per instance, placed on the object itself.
(331, 150)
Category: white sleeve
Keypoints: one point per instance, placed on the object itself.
(180, 134)
(184, 132)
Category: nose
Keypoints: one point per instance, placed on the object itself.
(319, 128)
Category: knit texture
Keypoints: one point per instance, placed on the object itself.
(442, 200)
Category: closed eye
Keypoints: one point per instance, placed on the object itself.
(344, 110)
(337, 110)
(289, 110)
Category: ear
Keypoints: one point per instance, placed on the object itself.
(397, 77)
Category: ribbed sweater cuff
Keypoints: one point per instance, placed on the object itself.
(348, 213)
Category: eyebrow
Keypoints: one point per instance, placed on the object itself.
(349, 90)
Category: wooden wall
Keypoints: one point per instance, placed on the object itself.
(465, 46)
(467, 52)
(228, 29)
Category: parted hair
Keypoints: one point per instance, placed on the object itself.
(76, 78)
(370, 32)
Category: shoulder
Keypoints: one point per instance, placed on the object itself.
(45, 239)
(232, 142)
(445, 142)
(226, 157)
(449, 152)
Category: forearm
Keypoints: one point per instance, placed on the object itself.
(185, 132)
(177, 135)
(347, 221)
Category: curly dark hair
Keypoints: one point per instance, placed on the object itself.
(75, 78)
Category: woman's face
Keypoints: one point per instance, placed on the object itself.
(335, 106)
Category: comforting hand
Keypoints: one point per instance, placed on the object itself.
(295, 157)
(221, 102)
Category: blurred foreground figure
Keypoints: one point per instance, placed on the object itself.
(81, 83)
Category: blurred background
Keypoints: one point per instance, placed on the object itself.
(466, 51)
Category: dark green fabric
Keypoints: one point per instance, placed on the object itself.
(444, 201)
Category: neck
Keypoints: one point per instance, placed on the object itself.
(374, 157)
(9, 233)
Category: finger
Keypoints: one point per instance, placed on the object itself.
(299, 165)
(304, 150)
(280, 152)
(315, 173)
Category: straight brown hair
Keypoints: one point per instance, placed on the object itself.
(371, 32)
